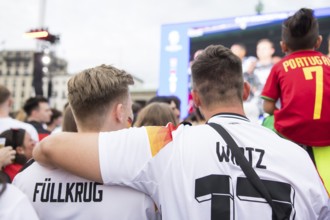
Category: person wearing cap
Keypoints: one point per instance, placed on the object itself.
(21, 141)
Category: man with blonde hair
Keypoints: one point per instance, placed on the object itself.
(100, 101)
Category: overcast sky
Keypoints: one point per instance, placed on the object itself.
(125, 33)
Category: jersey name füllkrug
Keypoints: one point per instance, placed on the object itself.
(196, 177)
(49, 191)
(56, 194)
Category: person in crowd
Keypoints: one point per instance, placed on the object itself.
(175, 104)
(156, 114)
(189, 172)
(301, 81)
(100, 101)
(38, 114)
(173, 101)
(14, 204)
(265, 51)
(248, 62)
(195, 117)
(136, 108)
(23, 144)
(248, 66)
(6, 122)
(55, 120)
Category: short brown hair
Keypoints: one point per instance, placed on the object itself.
(155, 114)
(217, 76)
(301, 30)
(92, 91)
(4, 94)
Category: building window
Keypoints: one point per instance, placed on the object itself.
(8, 72)
(22, 94)
(0, 72)
(23, 83)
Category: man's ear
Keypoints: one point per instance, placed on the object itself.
(195, 97)
(318, 42)
(246, 90)
(119, 112)
(284, 47)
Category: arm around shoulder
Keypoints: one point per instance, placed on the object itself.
(74, 152)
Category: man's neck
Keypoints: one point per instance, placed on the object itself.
(111, 126)
(32, 119)
(209, 113)
(293, 51)
(4, 113)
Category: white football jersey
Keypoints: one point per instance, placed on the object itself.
(8, 123)
(14, 205)
(196, 177)
(56, 194)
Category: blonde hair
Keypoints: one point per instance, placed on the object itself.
(92, 91)
(156, 114)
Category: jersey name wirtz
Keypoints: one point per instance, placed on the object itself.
(253, 155)
(67, 192)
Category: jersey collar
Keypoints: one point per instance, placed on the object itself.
(229, 115)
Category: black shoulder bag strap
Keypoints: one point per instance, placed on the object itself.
(249, 172)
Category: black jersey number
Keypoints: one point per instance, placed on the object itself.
(220, 191)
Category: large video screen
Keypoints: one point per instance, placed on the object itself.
(179, 42)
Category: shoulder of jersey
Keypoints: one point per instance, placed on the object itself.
(27, 164)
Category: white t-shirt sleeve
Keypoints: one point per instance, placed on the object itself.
(123, 154)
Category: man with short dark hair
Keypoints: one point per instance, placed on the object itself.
(38, 114)
(190, 172)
